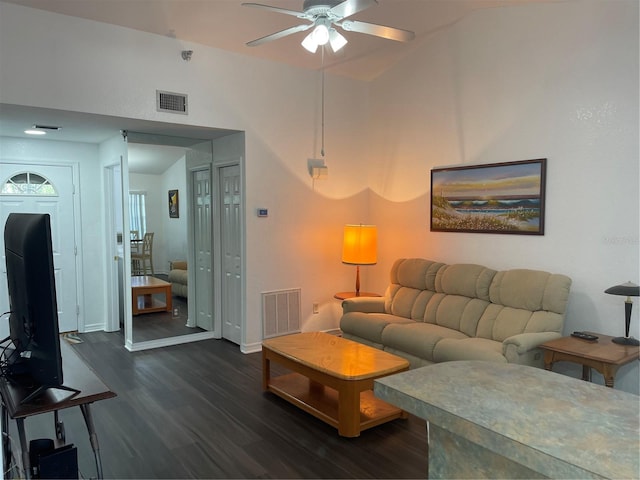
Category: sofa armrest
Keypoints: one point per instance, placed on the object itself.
(523, 348)
(363, 304)
(524, 342)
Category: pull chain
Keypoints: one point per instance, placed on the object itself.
(322, 124)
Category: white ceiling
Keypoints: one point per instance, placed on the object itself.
(227, 25)
(89, 128)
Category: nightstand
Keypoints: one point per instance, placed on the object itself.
(602, 354)
(345, 295)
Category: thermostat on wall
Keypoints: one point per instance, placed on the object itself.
(263, 212)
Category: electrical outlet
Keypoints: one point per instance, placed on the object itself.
(316, 308)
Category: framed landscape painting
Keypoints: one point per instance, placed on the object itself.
(492, 198)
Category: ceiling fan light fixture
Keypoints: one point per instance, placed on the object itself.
(309, 43)
(321, 34)
(336, 40)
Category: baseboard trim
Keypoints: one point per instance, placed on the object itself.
(167, 342)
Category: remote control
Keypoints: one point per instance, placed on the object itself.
(584, 336)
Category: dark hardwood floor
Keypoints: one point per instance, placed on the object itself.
(160, 325)
(157, 325)
(198, 411)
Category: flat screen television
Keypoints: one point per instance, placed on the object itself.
(35, 362)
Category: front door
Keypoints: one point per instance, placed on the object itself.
(57, 201)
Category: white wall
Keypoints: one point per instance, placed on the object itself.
(555, 81)
(85, 158)
(60, 62)
(174, 230)
(170, 234)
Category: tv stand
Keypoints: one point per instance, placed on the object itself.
(89, 388)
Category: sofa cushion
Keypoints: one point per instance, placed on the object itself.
(418, 339)
(415, 273)
(531, 290)
(409, 277)
(450, 349)
(465, 279)
(178, 276)
(460, 313)
(369, 325)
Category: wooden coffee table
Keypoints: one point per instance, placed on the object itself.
(332, 379)
(143, 288)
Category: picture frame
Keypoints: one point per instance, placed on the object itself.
(174, 205)
(506, 198)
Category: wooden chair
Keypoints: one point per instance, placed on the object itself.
(134, 238)
(143, 258)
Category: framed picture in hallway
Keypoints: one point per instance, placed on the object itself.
(174, 207)
(493, 198)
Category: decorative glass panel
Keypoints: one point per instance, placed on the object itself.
(28, 183)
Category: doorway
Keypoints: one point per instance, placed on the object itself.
(43, 188)
(158, 170)
(86, 129)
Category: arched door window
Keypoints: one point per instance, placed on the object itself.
(28, 183)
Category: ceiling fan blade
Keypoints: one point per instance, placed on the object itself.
(351, 7)
(378, 30)
(280, 34)
(275, 9)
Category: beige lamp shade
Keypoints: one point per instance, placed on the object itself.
(360, 245)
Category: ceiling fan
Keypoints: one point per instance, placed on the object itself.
(323, 15)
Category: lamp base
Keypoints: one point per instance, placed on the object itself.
(626, 341)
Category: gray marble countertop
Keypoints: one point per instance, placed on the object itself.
(559, 426)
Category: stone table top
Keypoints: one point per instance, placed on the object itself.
(559, 426)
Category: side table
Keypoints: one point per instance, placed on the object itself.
(345, 295)
(602, 354)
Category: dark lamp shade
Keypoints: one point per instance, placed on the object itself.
(626, 289)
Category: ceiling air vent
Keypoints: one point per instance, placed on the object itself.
(171, 102)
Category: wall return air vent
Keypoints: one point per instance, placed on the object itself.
(171, 102)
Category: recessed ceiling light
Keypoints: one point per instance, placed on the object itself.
(42, 129)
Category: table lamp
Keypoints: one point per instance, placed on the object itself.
(629, 290)
(359, 247)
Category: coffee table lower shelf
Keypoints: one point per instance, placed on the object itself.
(322, 402)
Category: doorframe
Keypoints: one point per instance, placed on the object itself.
(113, 275)
(130, 345)
(77, 229)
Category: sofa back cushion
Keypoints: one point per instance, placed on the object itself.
(476, 300)
(465, 279)
(410, 278)
(531, 290)
(524, 301)
(463, 295)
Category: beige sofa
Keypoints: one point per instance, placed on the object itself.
(432, 312)
(178, 276)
